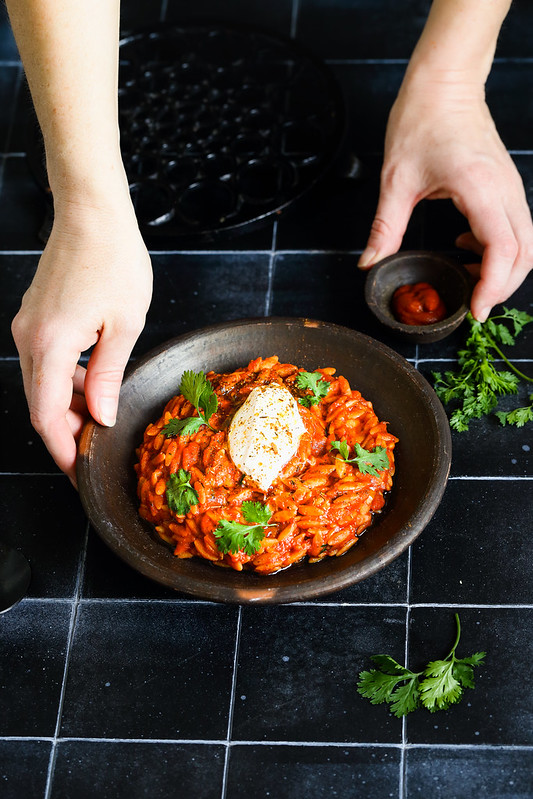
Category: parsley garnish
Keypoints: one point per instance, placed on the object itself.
(478, 383)
(180, 494)
(196, 388)
(367, 461)
(316, 384)
(438, 686)
(519, 416)
(233, 536)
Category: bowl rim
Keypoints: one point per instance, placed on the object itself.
(263, 588)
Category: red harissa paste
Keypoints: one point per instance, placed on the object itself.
(418, 304)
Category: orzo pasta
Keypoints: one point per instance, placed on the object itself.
(317, 506)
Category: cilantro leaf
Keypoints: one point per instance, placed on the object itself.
(315, 382)
(367, 461)
(196, 388)
(182, 427)
(437, 687)
(519, 416)
(478, 383)
(406, 698)
(180, 494)
(234, 536)
(256, 512)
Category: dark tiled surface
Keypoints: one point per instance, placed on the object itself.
(114, 686)
(312, 772)
(23, 768)
(123, 770)
(275, 15)
(475, 528)
(289, 654)
(491, 773)
(495, 712)
(150, 671)
(34, 644)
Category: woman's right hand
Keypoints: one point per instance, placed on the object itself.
(92, 288)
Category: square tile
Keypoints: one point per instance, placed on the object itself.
(24, 768)
(328, 287)
(19, 230)
(191, 291)
(361, 29)
(23, 451)
(16, 274)
(106, 576)
(298, 669)
(150, 670)
(313, 772)
(487, 448)
(43, 518)
(124, 770)
(386, 586)
(8, 48)
(9, 80)
(338, 213)
(463, 773)
(476, 546)
(369, 91)
(275, 15)
(510, 100)
(499, 710)
(32, 660)
(514, 40)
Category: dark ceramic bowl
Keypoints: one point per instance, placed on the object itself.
(400, 395)
(449, 278)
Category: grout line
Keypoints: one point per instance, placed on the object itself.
(231, 705)
(402, 786)
(73, 620)
(195, 602)
(294, 18)
(271, 268)
(304, 744)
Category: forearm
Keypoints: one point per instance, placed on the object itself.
(458, 42)
(69, 49)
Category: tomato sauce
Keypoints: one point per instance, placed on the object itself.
(418, 304)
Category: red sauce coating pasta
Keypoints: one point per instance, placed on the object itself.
(320, 504)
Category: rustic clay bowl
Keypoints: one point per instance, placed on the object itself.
(449, 278)
(401, 396)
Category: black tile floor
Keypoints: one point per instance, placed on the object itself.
(112, 686)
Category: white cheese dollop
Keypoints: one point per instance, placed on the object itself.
(264, 433)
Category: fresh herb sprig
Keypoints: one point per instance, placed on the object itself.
(440, 685)
(180, 494)
(316, 384)
(478, 384)
(234, 536)
(196, 388)
(367, 461)
(519, 416)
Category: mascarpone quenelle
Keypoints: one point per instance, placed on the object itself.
(264, 433)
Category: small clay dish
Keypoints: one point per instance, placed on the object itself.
(449, 278)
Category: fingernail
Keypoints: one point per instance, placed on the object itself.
(482, 316)
(108, 411)
(368, 257)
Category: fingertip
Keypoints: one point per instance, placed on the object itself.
(367, 258)
(107, 411)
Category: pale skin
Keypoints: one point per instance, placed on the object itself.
(94, 281)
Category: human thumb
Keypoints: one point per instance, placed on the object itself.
(105, 371)
(389, 225)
